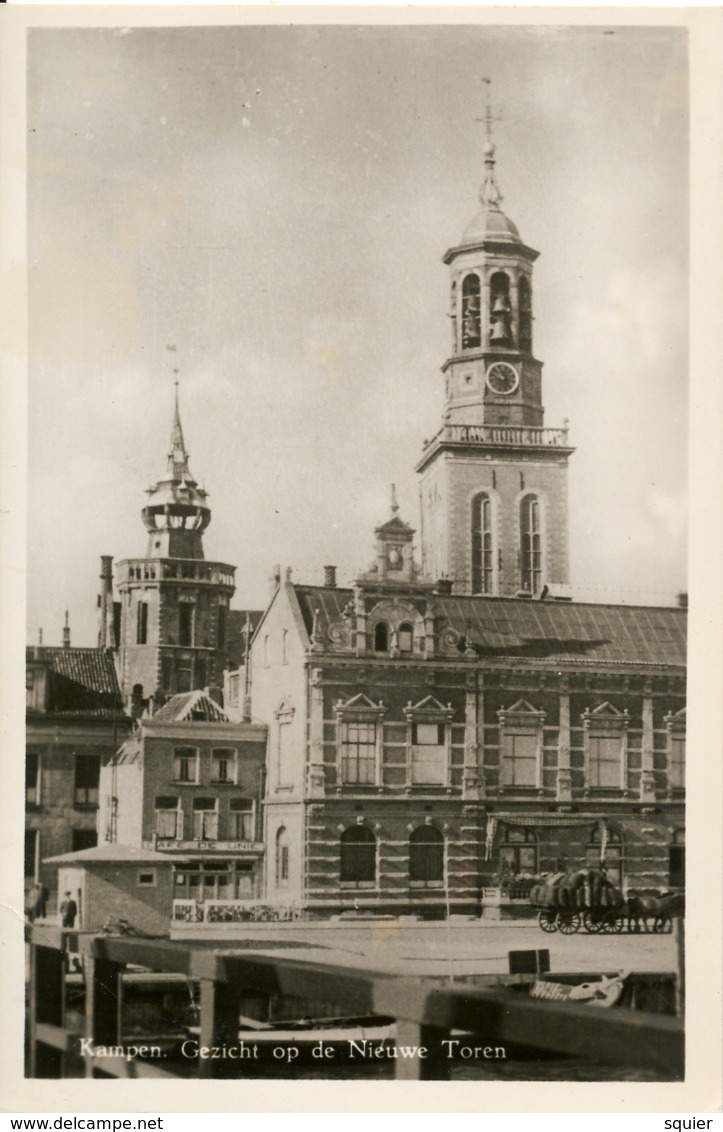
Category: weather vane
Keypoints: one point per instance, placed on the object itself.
(489, 117)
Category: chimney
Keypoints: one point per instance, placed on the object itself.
(66, 632)
(214, 693)
(330, 577)
(105, 603)
(682, 599)
(39, 647)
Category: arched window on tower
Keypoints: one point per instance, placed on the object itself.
(530, 545)
(500, 310)
(471, 333)
(482, 556)
(525, 313)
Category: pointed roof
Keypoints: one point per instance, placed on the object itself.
(192, 707)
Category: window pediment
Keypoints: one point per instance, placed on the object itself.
(676, 721)
(605, 717)
(359, 707)
(521, 714)
(429, 709)
(285, 711)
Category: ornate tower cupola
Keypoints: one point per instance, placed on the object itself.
(176, 514)
(494, 480)
(491, 375)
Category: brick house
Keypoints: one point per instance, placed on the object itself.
(188, 780)
(74, 721)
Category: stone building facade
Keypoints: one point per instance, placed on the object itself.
(74, 721)
(469, 739)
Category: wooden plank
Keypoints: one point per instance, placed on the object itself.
(47, 990)
(220, 1008)
(630, 1038)
(101, 1007)
(136, 1069)
(157, 954)
(348, 987)
(54, 1036)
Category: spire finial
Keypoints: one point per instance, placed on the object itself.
(395, 505)
(490, 191)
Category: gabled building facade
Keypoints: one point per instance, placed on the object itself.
(190, 781)
(74, 722)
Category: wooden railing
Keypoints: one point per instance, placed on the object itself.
(426, 1014)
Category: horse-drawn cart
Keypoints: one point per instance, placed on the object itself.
(574, 900)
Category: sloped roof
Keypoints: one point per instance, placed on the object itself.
(192, 707)
(82, 681)
(543, 630)
(112, 853)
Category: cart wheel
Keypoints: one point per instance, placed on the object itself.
(569, 923)
(592, 922)
(547, 920)
(613, 923)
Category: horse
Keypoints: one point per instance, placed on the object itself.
(663, 909)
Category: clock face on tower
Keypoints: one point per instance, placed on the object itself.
(502, 377)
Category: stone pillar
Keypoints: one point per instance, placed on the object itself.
(472, 776)
(564, 776)
(361, 622)
(315, 778)
(647, 777)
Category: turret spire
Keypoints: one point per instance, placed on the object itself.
(177, 455)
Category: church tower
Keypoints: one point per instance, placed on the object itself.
(174, 604)
(493, 481)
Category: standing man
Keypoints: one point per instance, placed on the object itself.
(68, 911)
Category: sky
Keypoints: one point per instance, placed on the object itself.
(274, 203)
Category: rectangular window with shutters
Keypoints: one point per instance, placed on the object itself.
(241, 819)
(87, 779)
(359, 752)
(223, 764)
(520, 758)
(205, 819)
(185, 764)
(168, 817)
(605, 761)
(428, 754)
